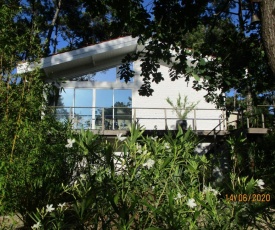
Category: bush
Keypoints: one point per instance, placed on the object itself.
(34, 159)
(151, 183)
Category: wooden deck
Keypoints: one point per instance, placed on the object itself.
(203, 135)
(257, 130)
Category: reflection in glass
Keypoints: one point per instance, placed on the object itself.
(82, 114)
(106, 75)
(65, 104)
(122, 109)
(79, 106)
(104, 100)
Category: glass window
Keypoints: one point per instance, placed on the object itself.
(122, 108)
(65, 104)
(82, 115)
(104, 98)
(106, 75)
(85, 108)
(66, 97)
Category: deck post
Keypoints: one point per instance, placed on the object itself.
(263, 125)
(195, 120)
(224, 121)
(70, 116)
(247, 119)
(165, 119)
(134, 117)
(215, 142)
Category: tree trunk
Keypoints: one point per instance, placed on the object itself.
(268, 30)
(57, 10)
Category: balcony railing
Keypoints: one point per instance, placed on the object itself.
(121, 118)
(260, 117)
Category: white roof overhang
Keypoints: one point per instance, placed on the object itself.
(85, 60)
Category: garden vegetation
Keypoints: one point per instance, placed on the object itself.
(52, 177)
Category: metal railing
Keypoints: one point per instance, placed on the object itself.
(119, 118)
(261, 119)
(262, 116)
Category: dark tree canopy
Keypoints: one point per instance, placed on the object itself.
(228, 50)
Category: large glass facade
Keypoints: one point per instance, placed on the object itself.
(86, 107)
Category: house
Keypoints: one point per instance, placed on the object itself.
(101, 101)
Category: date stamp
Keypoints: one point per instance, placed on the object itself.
(248, 197)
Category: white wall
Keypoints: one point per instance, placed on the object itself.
(171, 89)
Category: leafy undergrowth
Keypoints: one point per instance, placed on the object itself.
(152, 183)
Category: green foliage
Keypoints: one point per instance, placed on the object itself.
(150, 183)
(182, 108)
(262, 160)
(34, 160)
(139, 182)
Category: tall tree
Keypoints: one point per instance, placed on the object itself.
(268, 24)
(226, 48)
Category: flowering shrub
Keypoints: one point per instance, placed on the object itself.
(150, 183)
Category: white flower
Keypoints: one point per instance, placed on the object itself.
(37, 225)
(210, 189)
(154, 138)
(70, 143)
(49, 208)
(149, 163)
(167, 145)
(144, 152)
(191, 203)
(82, 176)
(62, 206)
(179, 196)
(120, 138)
(260, 183)
(139, 149)
(214, 191)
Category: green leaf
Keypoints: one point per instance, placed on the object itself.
(250, 186)
(171, 203)
(196, 76)
(116, 198)
(166, 162)
(196, 214)
(202, 61)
